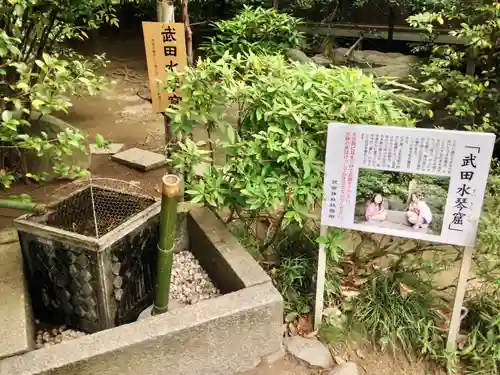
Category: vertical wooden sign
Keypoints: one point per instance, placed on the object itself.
(165, 51)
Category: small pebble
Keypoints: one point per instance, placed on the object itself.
(52, 336)
(190, 283)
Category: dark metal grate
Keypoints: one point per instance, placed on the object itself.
(62, 283)
(112, 208)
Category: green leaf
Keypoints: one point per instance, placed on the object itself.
(322, 240)
(37, 103)
(291, 316)
(197, 199)
(6, 115)
(275, 129)
(100, 141)
(231, 134)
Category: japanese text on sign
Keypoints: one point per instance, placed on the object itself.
(463, 193)
(165, 51)
(463, 162)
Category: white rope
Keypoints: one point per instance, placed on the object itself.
(93, 206)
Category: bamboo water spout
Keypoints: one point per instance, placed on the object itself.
(24, 206)
(171, 193)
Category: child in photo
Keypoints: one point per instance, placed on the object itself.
(375, 210)
(419, 213)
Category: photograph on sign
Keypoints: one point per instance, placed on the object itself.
(417, 183)
(408, 208)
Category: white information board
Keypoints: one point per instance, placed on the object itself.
(459, 160)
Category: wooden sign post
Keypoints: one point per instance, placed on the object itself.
(165, 51)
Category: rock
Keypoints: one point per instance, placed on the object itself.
(360, 209)
(44, 164)
(111, 149)
(298, 55)
(322, 60)
(396, 203)
(395, 71)
(311, 351)
(386, 204)
(397, 217)
(372, 58)
(339, 57)
(348, 368)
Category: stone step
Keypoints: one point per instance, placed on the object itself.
(16, 319)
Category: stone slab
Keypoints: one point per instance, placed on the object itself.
(16, 324)
(222, 336)
(311, 351)
(111, 149)
(142, 160)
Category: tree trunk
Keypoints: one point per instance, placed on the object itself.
(222, 9)
(165, 11)
(391, 21)
(189, 33)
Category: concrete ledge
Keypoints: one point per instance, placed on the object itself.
(222, 336)
(16, 324)
(231, 267)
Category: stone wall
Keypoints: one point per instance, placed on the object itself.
(380, 64)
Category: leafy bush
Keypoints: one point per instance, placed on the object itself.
(487, 252)
(468, 97)
(373, 182)
(255, 30)
(39, 74)
(481, 352)
(464, 84)
(293, 280)
(273, 162)
(389, 314)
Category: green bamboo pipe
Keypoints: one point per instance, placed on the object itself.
(171, 192)
(24, 206)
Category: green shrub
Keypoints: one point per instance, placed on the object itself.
(388, 316)
(39, 75)
(481, 352)
(274, 159)
(255, 30)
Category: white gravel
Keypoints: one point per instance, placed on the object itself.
(190, 283)
(47, 337)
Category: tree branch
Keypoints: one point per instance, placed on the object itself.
(148, 99)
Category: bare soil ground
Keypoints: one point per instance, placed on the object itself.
(121, 116)
(373, 363)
